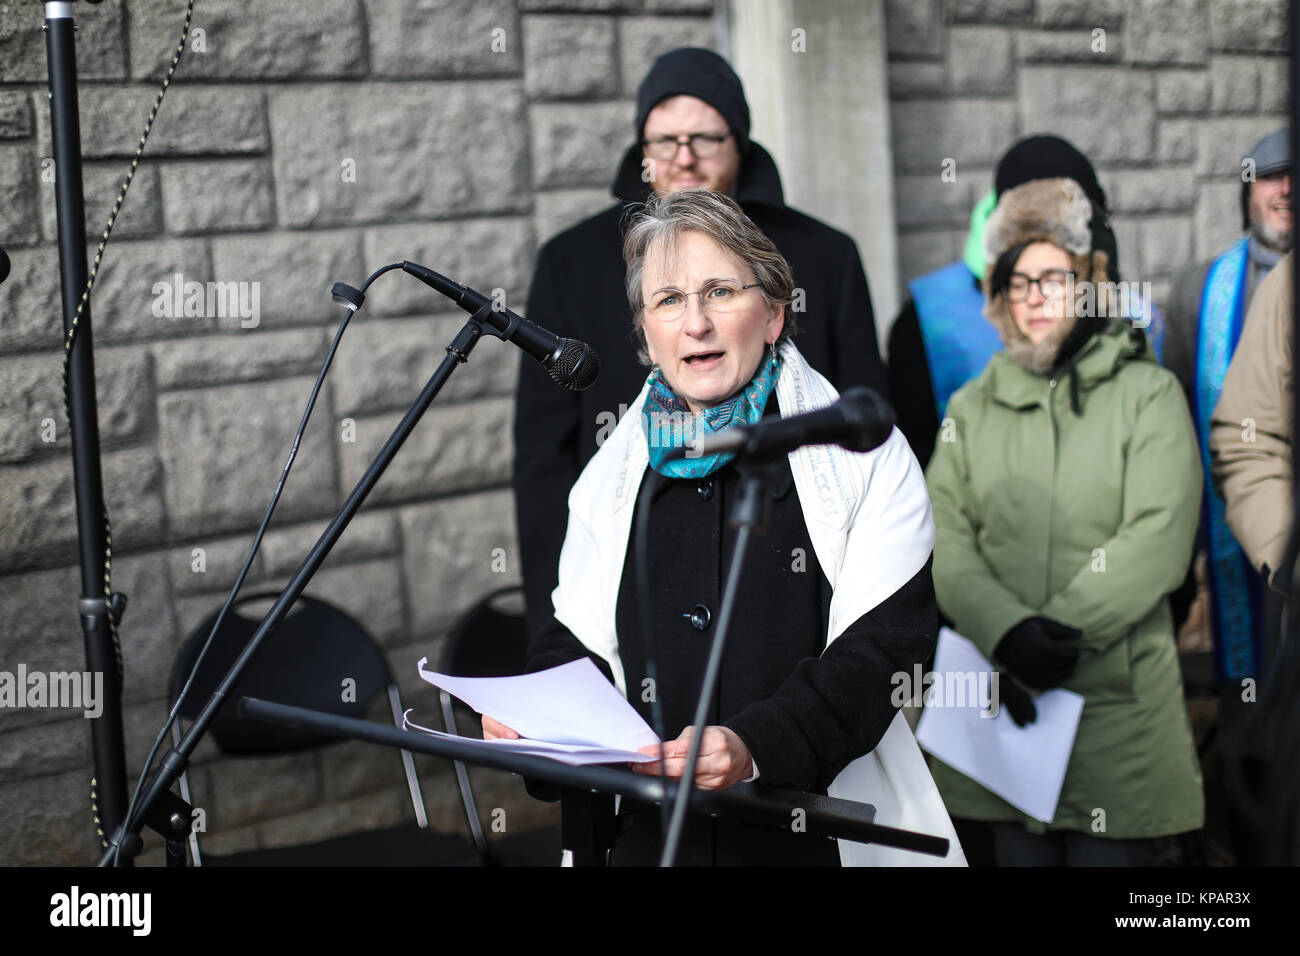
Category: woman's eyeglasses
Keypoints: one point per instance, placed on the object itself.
(669, 305)
(1050, 284)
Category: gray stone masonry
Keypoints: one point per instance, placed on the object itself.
(1163, 95)
(303, 146)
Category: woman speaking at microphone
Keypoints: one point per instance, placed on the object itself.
(836, 597)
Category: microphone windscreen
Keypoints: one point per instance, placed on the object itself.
(871, 416)
(4, 266)
(577, 365)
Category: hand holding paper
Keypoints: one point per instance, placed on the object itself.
(571, 713)
(1025, 766)
(724, 759)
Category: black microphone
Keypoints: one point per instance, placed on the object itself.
(571, 363)
(4, 266)
(860, 421)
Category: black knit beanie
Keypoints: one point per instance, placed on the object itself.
(1047, 157)
(694, 71)
(1051, 157)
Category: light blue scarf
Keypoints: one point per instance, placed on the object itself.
(1235, 590)
(669, 423)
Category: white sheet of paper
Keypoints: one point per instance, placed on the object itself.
(573, 754)
(569, 704)
(1025, 766)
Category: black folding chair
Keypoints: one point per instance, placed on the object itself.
(320, 658)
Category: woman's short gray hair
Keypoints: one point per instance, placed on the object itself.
(661, 219)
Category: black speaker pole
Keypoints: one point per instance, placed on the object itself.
(93, 607)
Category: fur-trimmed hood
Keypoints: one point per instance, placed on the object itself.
(1045, 210)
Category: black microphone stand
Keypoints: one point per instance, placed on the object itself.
(98, 612)
(125, 840)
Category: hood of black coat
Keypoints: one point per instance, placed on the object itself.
(758, 181)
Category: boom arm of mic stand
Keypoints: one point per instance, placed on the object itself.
(125, 839)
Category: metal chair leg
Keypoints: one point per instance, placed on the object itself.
(462, 781)
(408, 764)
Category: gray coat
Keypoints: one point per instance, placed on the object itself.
(1182, 320)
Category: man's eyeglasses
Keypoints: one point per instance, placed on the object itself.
(1050, 284)
(718, 298)
(701, 145)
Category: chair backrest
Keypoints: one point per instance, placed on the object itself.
(319, 657)
(490, 639)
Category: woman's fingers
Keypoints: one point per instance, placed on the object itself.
(494, 729)
(719, 765)
(716, 767)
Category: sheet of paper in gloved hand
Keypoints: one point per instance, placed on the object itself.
(571, 713)
(1025, 766)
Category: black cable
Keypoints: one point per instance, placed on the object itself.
(248, 561)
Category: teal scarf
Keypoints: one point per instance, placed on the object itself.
(669, 423)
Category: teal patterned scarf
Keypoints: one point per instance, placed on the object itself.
(669, 423)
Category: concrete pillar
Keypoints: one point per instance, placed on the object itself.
(815, 75)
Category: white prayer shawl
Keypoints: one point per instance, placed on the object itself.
(871, 528)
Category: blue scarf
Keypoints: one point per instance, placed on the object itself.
(669, 423)
(1235, 588)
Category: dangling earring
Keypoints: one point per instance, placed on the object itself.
(772, 346)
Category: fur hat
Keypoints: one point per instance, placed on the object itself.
(1060, 212)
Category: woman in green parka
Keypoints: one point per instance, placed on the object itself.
(1065, 483)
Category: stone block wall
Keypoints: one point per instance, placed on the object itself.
(301, 147)
(1163, 95)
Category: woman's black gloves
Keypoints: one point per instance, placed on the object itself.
(1039, 652)
(1018, 702)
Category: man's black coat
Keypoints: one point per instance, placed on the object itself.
(578, 291)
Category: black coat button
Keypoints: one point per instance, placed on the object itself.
(700, 616)
(704, 489)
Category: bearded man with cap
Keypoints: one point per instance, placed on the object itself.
(692, 131)
(1207, 311)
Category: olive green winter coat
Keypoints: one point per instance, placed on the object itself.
(1087, 519)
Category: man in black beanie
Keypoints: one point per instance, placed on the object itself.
(692, 131)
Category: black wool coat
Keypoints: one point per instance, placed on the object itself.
(578, 291)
